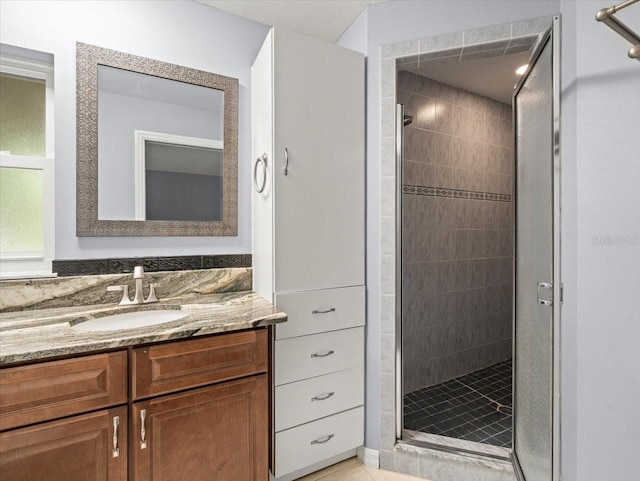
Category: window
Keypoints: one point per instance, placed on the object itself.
(26, 168)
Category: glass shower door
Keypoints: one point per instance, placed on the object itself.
(534, 268)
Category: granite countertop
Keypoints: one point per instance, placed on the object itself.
(41, 333)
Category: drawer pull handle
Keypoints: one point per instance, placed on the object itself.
(322, 397)
(323, 311)
(326, 354)
(143, 433)
(323, 440)
(116, 424)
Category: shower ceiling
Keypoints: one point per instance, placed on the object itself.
(492, 76)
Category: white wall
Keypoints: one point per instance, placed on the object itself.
(356, 36)
(607, 331)
(181, 32)
(569, 255)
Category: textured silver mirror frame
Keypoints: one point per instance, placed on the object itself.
(88, 57)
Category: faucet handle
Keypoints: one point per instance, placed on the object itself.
(152, 294)
(125, 293)
(138, 272)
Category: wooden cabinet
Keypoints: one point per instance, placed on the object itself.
(308, 240)
(88, 447)
(198, 410)
(174, 436)
(216, 432)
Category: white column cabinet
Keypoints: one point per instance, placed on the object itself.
(308, 242)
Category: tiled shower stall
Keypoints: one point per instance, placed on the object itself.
(457, 231)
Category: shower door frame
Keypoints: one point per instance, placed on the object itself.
(554, 31)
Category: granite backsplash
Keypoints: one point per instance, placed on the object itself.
(27, 294)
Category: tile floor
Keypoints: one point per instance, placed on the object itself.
(353, 470)
(474, 407)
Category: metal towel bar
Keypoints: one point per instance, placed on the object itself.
(606, 15)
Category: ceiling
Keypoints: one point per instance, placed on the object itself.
(492, 77)
(322, 19)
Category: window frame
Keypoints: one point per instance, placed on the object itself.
(17, 265)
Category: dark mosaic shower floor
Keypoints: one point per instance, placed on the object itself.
(474, 407)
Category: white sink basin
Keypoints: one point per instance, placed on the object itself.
(129, 320)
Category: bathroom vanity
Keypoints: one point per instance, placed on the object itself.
(187, 399)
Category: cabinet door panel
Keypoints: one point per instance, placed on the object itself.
(213, 433)
(49, 390)
(319, 204)
(79, 448)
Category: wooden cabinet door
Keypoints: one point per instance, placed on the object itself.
(214, 433)
(79, 448)
(319, 203)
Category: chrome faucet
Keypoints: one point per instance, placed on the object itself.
(138, 298)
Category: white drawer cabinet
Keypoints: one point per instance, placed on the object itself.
(321, 311)
(309, 356)
(322, 439)
(308, 220)
(318, 397)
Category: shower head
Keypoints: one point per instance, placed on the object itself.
(407, 120)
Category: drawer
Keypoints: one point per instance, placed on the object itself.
(50, 390)
(303, 401)
(314, 442)
(320, 311)
(170, 367)
(310, 356)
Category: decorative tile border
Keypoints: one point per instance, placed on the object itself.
(84, 267)
(456, 193)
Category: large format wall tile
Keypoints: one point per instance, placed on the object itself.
(457, 231)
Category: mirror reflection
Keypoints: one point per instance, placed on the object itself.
(160, 148)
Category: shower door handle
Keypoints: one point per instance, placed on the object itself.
(545, 285)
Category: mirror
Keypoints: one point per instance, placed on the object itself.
(157, 147)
